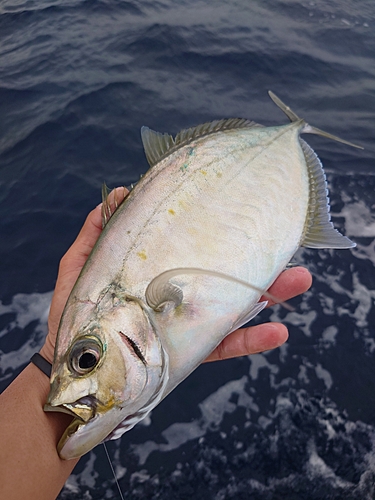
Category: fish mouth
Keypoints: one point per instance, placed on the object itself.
(83, 432)
(83, 410)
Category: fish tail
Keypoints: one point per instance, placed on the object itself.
(286, 109)
(307, 129)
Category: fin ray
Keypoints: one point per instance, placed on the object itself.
(106, 209)
(320, 232)
(110, 197)
(157, 145)
(286, 109)
(160, 292)
(308, 129)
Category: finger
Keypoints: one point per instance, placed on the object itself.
(290, 283)
(250, 340)
(112, 201)
(88, 235)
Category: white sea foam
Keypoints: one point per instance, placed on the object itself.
(84, 481)
(324, 375)
(26, 308)
(360, 223)
(212, 410)
(299, 318)
(329, 334)
(259, 361)
(359, 219)
(359, 294)
(317, 467)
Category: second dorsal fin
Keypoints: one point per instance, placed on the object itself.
(157, 145)
(319, 232)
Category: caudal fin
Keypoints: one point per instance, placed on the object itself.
(307, 129)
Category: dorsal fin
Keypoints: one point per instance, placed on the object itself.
(111, 201)
(157, 145)
(106, 209)
(319, 232)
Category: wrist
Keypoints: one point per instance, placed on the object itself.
(41, 363)
(47, 351)
(41, 381)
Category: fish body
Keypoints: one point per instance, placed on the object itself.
(222, 204)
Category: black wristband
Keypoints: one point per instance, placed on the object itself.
(41, 363)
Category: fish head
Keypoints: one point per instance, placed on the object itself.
(108, 376)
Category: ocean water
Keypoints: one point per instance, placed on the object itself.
(78, 78)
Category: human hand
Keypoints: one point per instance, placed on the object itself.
(266, 336)
(242, 342)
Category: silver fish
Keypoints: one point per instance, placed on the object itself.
(180, 264)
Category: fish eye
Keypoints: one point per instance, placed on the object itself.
(85, 355)
(87, 360)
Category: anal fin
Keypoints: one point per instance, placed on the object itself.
(251, 313)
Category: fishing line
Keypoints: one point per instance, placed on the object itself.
(113, 471)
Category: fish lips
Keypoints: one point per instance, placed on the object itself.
(79, 411)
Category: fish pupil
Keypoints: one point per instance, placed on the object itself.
(87, 360)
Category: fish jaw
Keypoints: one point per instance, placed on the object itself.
(80, 437)
(95, 422)
(95, 411)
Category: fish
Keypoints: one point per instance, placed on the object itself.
(181, 263)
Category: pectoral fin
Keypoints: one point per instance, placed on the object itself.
(160, 290)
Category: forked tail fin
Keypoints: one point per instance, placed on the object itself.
(307, 129)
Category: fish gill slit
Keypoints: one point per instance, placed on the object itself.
(135, 348)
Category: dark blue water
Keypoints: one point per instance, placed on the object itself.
(77, 81)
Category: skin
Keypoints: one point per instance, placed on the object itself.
(30, 466)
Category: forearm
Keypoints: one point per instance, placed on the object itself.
(29, 464)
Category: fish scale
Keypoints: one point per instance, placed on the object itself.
(193, 215)
(180, 264)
